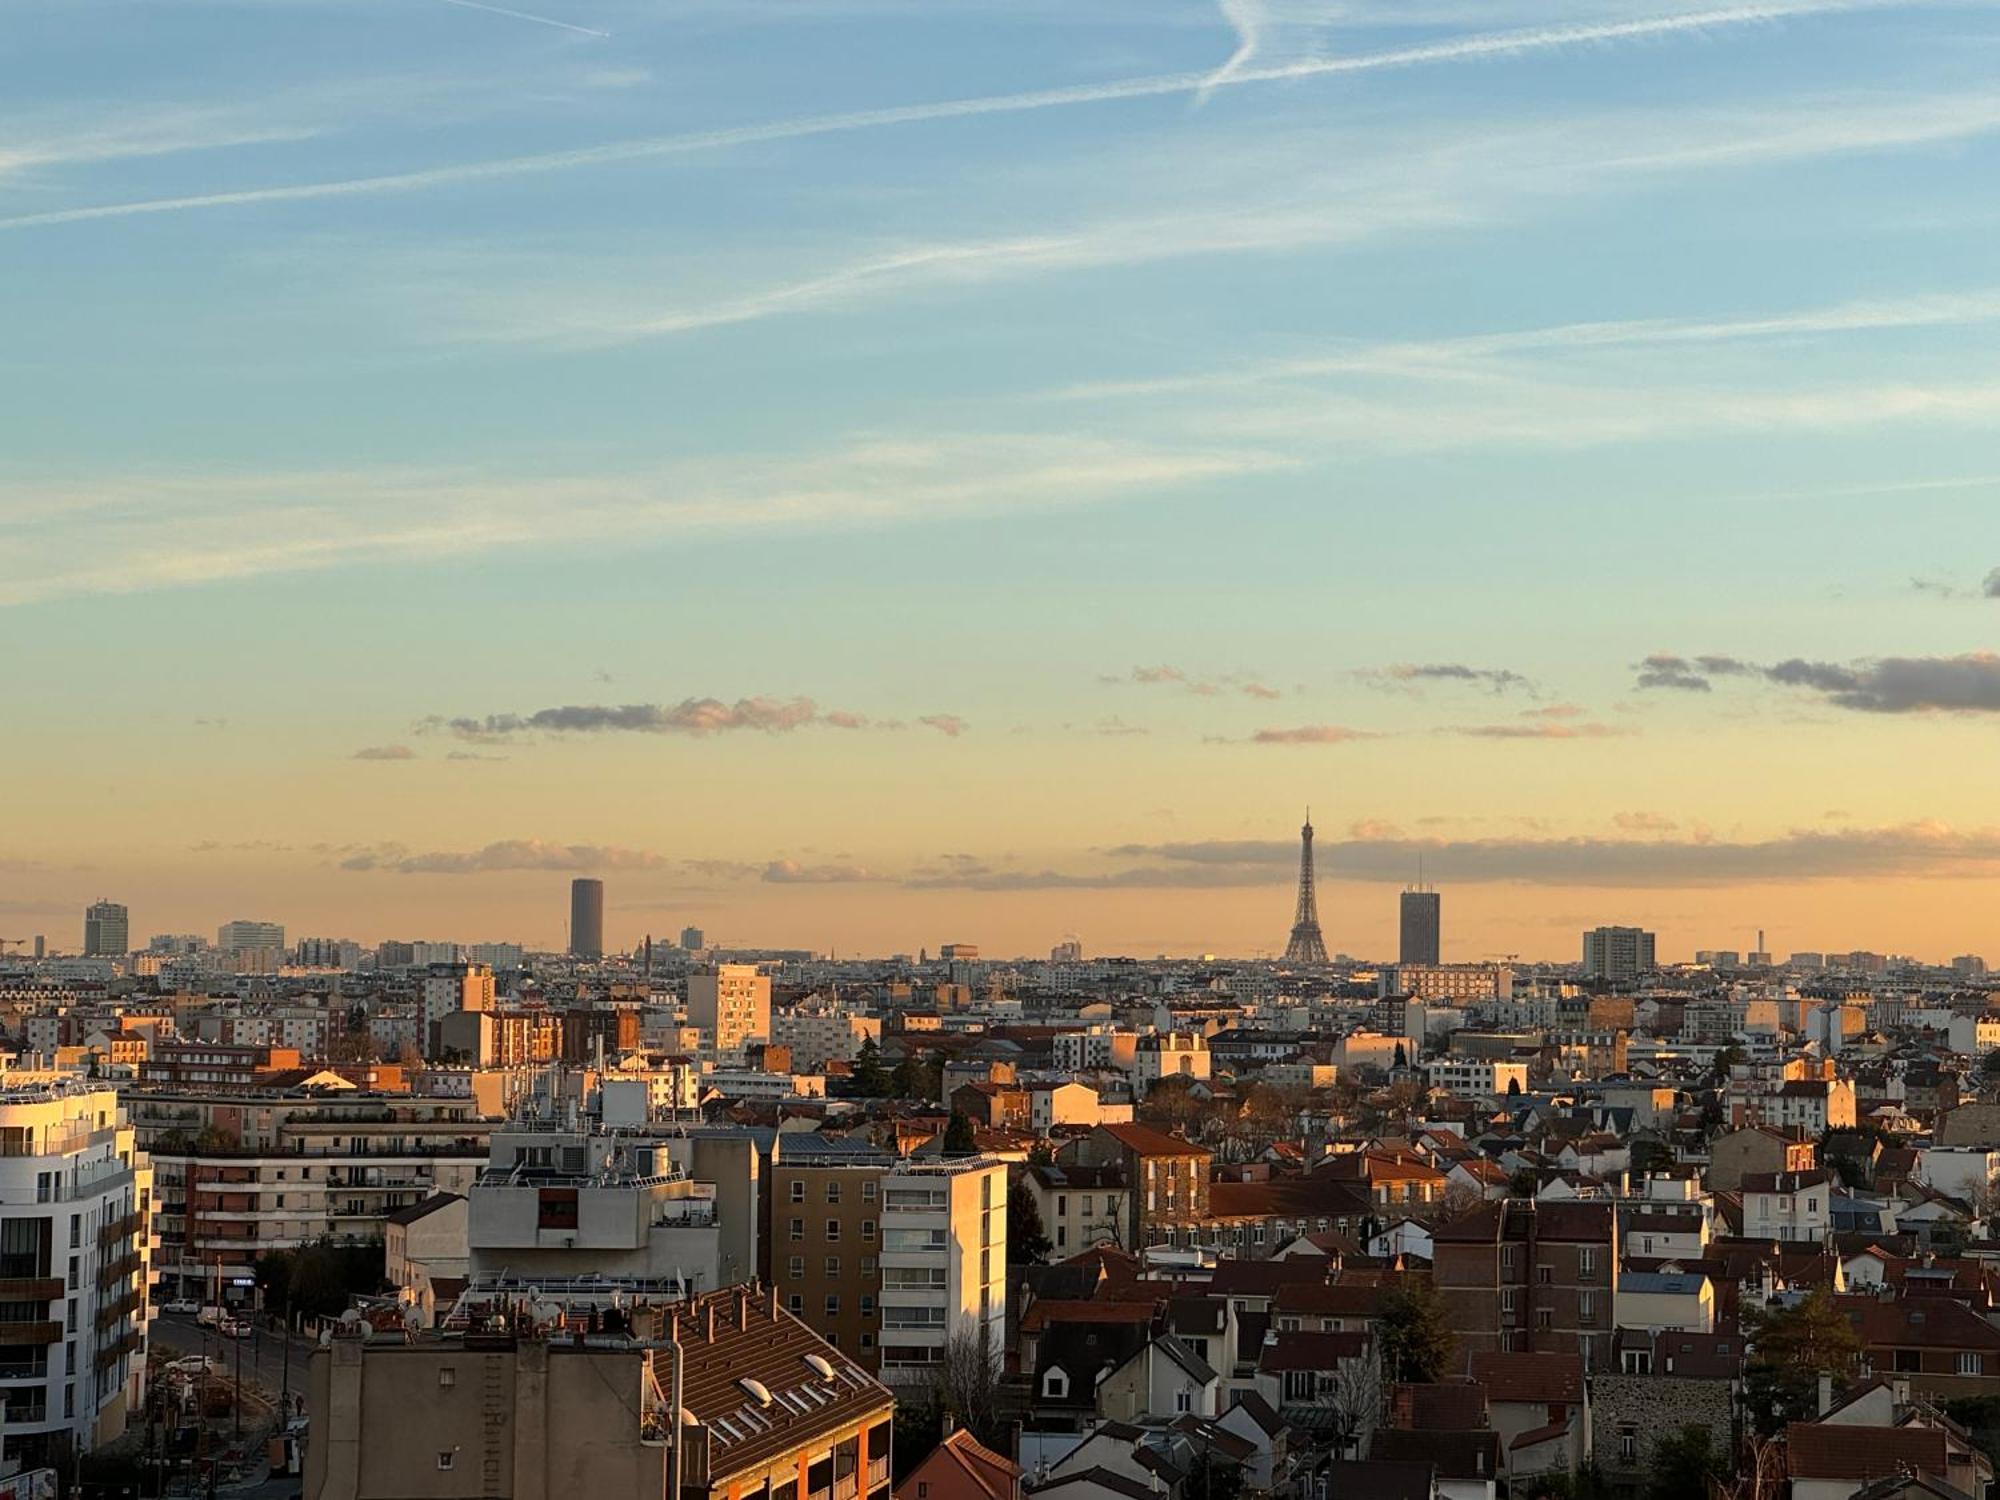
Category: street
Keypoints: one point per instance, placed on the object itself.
(176, 1335)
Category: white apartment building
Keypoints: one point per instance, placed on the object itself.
(452, 988)
(730, 1006)
(232, 936)
(1168, 1054)
(1975, 1036)
(1477, 1078)
(944, 1262)
(819, 1035)
(566, 1203)
(1095, 1047)
(75, 1263)
(1454, 982)
(1796, 1206)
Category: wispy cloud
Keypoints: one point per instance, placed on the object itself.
(791, 872)
(951, 726)
(690, 716)
(1311, 734)
(123, 535)
(385, 752)
(1460, 49)
(1202, 685)
(522, 15)
(506, 855)
(1540, 729)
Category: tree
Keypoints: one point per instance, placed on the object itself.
(1027, 1237)
(1416, 1342)
(1514, 1087)
(870, 1078)
(965, 1383)
(1683, 1463)
(959, 1139)
(913, 1079)
(1354, 1405)
(1792, 1347)
(1402, 1056)
(1726, 1059)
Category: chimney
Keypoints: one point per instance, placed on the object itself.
(774, 1301)
(710, 1333)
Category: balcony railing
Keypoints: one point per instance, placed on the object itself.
(121, 1228)
(30, 1333)
(30, 1288)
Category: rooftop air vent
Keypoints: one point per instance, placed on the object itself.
(756, 1390)
(820, 1366)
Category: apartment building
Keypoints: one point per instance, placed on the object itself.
(1453, 983)
(730, 1005)
(1161, 1055)
(238, 1175)
(75, 1263)
(181, 1064)
(819, 1034)
(1167, 1177)
(453, 989)
(1791, 1206)
(1477, 1078)
(1522, 1276)
(888, 1257)
(1080, 1207)
(730, 1398)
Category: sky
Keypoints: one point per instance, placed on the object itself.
(862, 475)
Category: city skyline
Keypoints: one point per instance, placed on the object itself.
(985, 488)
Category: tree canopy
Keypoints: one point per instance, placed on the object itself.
(1410, 1328)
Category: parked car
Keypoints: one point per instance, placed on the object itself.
(192, 1365)
(233, 1328)
(185, 1307)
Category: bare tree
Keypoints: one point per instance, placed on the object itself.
(1354, 1402)
(966, 1383)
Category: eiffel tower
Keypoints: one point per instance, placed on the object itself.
(1306, 946)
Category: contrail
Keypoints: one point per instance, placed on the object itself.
(522, 15)
(1247, 18)
(1491, 44)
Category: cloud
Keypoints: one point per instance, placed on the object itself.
(1200, 686)
(691, 716)
(112, 535)
(1967, 684)
(1544, 729)
(1458, 49)
(472, 755)
(1644, 822)
(1117, 727)
(1911, 850)
(1662, 670)
(1991, 588)
(951, 726)
(1498, 679)
(1311, 734)
(509, 854)
(385, 752)
(791, 872)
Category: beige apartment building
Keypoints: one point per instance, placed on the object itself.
(730, 1005)
(888, 1258)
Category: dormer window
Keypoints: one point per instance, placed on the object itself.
(1055, 1384)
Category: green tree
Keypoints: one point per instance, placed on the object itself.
(959, 1139)
(1416, 1342)
(1402, 1056)
(1514, 1087)
(1792, 1347)
(1027, 1237)
(1683, 1463)
(1726, 1059)
(871, 1079)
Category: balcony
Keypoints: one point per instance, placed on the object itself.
(118, 1269)
(16, 1334)
(119, 1229)
(30, 1288)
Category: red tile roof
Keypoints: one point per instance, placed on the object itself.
(1832, 1450)
(1550, 1378)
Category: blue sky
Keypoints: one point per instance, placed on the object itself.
(370, 364)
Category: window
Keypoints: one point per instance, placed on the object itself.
(833, 1266)
(1508, 1300)
(1971, 1362)
(833, 1304)
(1586, 1307)
(1586, 1262)
(833, 1231)
(446, 1458)
(1546, 1275)
(795, 1305)
(832, 1190)
(868, 1264)
(1545, 1317)
(798, 1229)
(1183, 1401)
(798, 1190)
(868, 1229)
(1506, 1257)
(447, 1377)
(867, 1305)
(868, 1189)
(1055, 1384)
(1628, 1445)
(797, 1268)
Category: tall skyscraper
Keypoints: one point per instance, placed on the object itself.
(1617, 953)
(1422, 920)
(693, 939)
(107, 931)
(586, 918)
(1306, 945)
